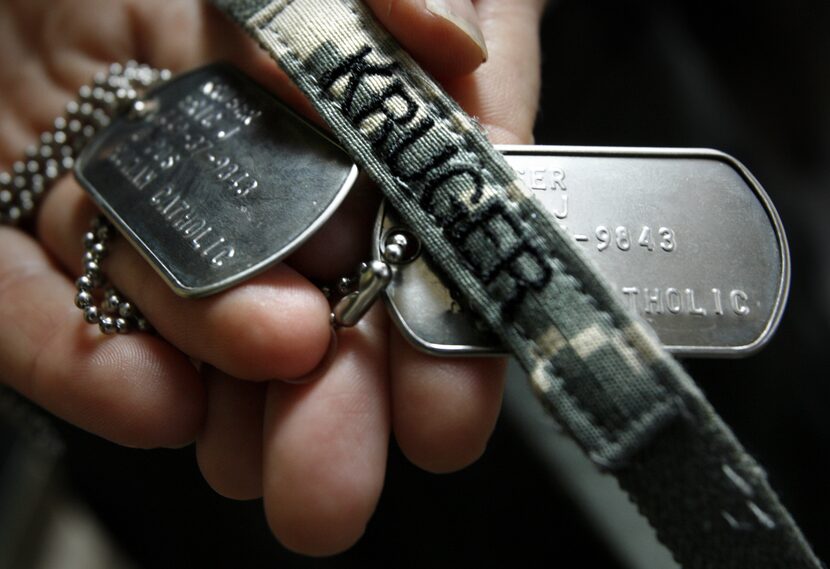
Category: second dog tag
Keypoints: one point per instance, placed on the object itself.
(687, 237)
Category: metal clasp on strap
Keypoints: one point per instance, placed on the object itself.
(399, 248)
(373, 279)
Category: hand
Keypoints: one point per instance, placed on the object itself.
(316, 451)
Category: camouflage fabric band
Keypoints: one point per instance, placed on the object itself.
(595, 366)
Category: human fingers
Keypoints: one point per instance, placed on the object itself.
(443, 35)
(274, 325)
(229, 446)
(189, 33)
(137, 391)
(326, 444)
(504, 93)
(444, 410)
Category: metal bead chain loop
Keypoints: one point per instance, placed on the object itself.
(22, 188)
(115, 313)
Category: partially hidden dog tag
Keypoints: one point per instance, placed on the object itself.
(688, 238)
(213, 179)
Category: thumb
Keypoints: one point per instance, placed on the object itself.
(444, 36)
(503, 94)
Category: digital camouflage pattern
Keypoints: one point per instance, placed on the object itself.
(596, 366)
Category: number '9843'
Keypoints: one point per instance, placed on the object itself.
(626, 239)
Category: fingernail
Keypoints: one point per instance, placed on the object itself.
(462, 14)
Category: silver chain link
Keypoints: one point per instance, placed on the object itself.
(21, 190)
(114, 313)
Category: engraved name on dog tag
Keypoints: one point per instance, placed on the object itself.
(217, 182)
(688, 238)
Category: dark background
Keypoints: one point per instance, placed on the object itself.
(749, 78)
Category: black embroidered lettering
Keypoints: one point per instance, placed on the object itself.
(462, 170)
(522, 260)
(489, 238)
(462, 233)
(454, 172)
(483, 217)
(447, 217)
(392, 157)
(434, 163)
(380, 104)
(356, 68)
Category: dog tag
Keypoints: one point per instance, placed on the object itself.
(213, 179)
(688, 238)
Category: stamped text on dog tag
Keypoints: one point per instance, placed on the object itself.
(215, 179)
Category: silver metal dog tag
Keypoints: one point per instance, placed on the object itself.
(216, 180)
(688, 237)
